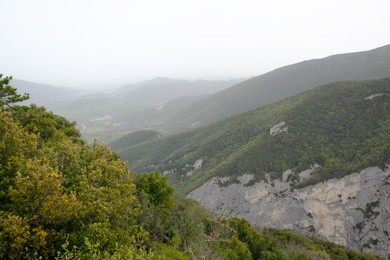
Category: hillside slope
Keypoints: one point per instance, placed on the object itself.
(285, 82)
(317, 163)
(342, 127)
(133, 139)
(42, 94)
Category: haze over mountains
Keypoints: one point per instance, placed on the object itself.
(171, 106)
(106, 116)
(325, 133)
(286, 148)
(297, 130)
(284, 82)
(42, 94)
(187, 130)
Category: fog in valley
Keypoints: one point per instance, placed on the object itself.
(100, 44)
(194, 129)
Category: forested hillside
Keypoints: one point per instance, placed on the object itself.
(341, 127)
(62, 199)
(284, 82)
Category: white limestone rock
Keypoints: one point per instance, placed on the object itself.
(353, 211)
(278, 128)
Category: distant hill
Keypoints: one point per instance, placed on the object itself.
(42, 94)
(284, 82)
(163, 89)
(144, 105)
(342, 127)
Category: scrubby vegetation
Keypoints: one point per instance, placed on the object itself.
(62, 199)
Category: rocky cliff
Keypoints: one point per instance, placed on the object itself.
(353, 211)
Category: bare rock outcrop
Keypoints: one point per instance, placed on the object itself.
(353, 211)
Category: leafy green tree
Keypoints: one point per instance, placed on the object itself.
(38, 194)
(236, 249)
(18, 240)
(16, 145)
(156, 201)
(45, 124)
(8, 94)
(156, 187)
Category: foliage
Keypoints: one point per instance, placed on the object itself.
(156, 187)
(8, 94)
(45, 124)
(54, 187)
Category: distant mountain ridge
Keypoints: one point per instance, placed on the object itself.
(43, 94)
(164, 89)
(284, 82)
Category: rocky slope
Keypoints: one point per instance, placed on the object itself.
(353, 211)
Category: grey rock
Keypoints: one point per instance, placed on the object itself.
(353, 211)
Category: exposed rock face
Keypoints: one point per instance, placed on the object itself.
(376, 95)
(353, 211)
(278, 128)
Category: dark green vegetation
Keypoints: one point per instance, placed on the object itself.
(282, 83)
(336, 126)
(62, 199)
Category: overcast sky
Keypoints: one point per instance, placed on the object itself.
(86, 43)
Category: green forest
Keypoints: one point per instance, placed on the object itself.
(336, 126)
(63, 199)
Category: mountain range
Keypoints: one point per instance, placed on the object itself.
(306, 157)
(343, 127)
(305, 147)
(284, 82)
(107, 116)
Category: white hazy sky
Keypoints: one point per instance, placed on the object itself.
(86, 43)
